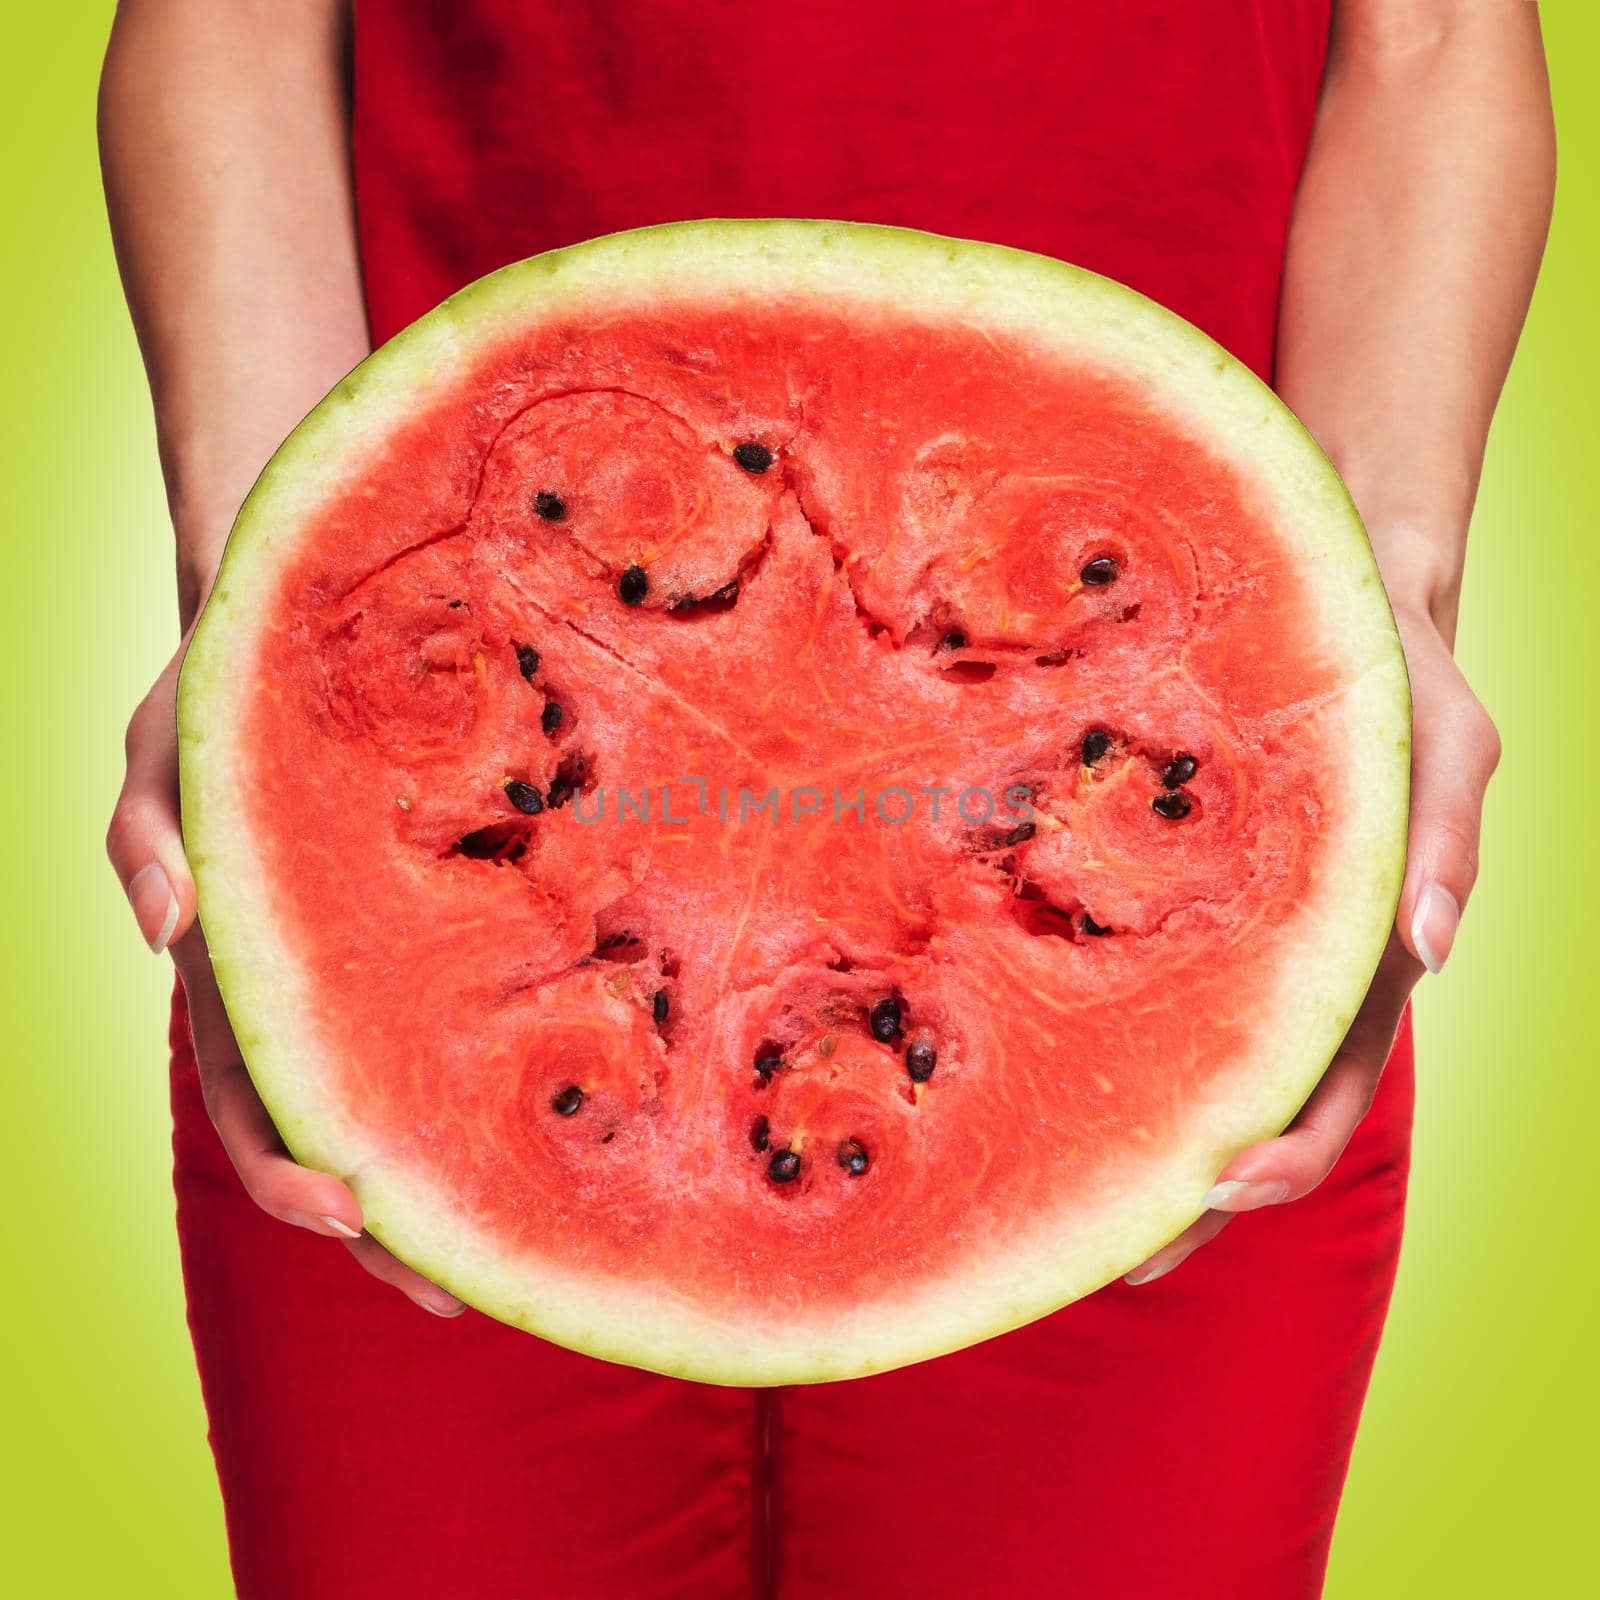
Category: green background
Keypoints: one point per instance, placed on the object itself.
(1474, 1474)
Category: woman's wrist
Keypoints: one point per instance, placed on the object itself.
(200, 537)
(1421, 566)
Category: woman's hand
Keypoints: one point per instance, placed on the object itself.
(146, 847)
(1454, 752)
(225, 143)
(1417, 230)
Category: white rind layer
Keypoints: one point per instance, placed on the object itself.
(1324, 973)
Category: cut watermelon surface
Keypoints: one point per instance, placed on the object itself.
(779, 797)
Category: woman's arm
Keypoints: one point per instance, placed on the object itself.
(1415, 241)
(225, 145)
(224, 142)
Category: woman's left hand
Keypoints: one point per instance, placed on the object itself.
(1454, 752)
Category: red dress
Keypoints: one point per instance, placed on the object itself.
(1181, 1441)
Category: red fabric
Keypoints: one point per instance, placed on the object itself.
(1188, 1438)
(1158, 141)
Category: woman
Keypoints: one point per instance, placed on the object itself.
(1350, 194)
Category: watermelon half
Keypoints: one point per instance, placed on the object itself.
(779, 797)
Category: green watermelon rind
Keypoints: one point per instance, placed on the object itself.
(1345, 921)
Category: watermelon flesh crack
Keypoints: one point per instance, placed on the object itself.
(534, 1025)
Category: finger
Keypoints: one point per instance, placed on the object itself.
(388, 1269)
(144, 841)
(271, 1176)
(1294, 1163)
(1455, 750)
(1180, 1249)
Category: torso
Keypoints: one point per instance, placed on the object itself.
(1157, 141)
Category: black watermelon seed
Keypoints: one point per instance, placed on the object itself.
(853, 1157)
(1179, 771)
(758, 1134)
(1101, 571)
(1020, 834)
(954, 641)
(659, 1005)
(885, 1020)
(524, 797)
(633, 586)
(527, 660)
(1174, 805)
(550, 506)
(767, 1065)
(921, 1059)
(752, 457)
(567, 1102)
(784, 1167)
(1095, 745)
(550, 717)
(1093, 928)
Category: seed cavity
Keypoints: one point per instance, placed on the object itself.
(1174, 805)
(766, 1065)
(550, 506)
(968, 671)
(752, 457)
(500, 842)
(572, 775)
(921, 1059)
(659, 1006)
(853, 1157)
(760, 1131)
(524, 797)
(1020, 834)
(784, 1167)
(1095, 744)
(1093, 928)
(1099, 572)
(955, 640)
(567, 1102)
(1179, 771)
(633, 586)
(550, 717)
(527, 661)
(884, 1019)
(718, 600)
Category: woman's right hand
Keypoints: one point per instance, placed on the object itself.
(226, 154)
(145, 843)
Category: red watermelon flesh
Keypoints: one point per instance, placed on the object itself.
(779, 797)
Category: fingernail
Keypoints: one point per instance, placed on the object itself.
(1245, 1194)
(342, 1228)
(155, 906)
(1148, 1273)
(1433, 927)
(450, 1308)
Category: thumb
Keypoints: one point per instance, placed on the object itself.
(145, 841)
(1455, 750)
